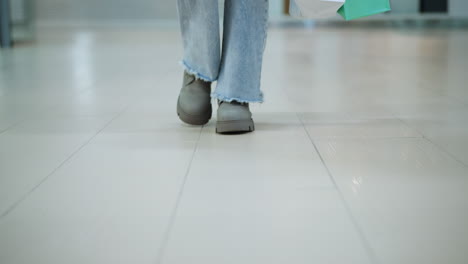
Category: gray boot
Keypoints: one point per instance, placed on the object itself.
(234, 117)
(194, 103)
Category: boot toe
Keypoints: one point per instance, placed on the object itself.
(231, 112)
(234, 118)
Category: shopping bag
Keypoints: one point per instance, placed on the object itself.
(353, 9)
(315, 8)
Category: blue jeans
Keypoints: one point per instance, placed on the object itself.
(237, 66)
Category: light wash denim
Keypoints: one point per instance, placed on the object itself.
(237, 66)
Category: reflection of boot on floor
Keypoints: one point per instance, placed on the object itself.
(194, 103)
(234, 117)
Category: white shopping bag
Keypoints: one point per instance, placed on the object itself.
(315, 8)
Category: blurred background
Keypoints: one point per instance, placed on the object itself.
(46, 12)
(360, 153)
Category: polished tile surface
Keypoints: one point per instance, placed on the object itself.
(360, 153)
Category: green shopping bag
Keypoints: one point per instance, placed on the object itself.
(353, 9)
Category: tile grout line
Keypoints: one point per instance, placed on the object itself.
(172, 217)
(13, 125)
(7, 128)
(442, 149)
(370, 252)
(26, 195)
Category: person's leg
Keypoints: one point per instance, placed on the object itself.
(244, 37)
(199, 22)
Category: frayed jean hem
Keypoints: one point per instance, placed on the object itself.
(230, 99)
(195, 73)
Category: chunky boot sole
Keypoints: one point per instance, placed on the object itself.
(235, 126)
(196, 120)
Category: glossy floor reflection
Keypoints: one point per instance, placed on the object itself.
(360, 153)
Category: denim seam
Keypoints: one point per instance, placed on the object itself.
(265, 29)
(195, 73)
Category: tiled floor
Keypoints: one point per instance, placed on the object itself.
(360, 153)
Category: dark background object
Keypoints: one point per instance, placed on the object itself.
(5, 24)
(433, 6)
(286, 7)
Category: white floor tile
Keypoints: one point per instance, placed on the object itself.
(249, 201)
(163, 125)
(444, 123)
(408, 196)
(341, 125)
(292, 153)
(7, 122)
(33, 149)
(111, 203)
(222, 221)
(456, 145)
